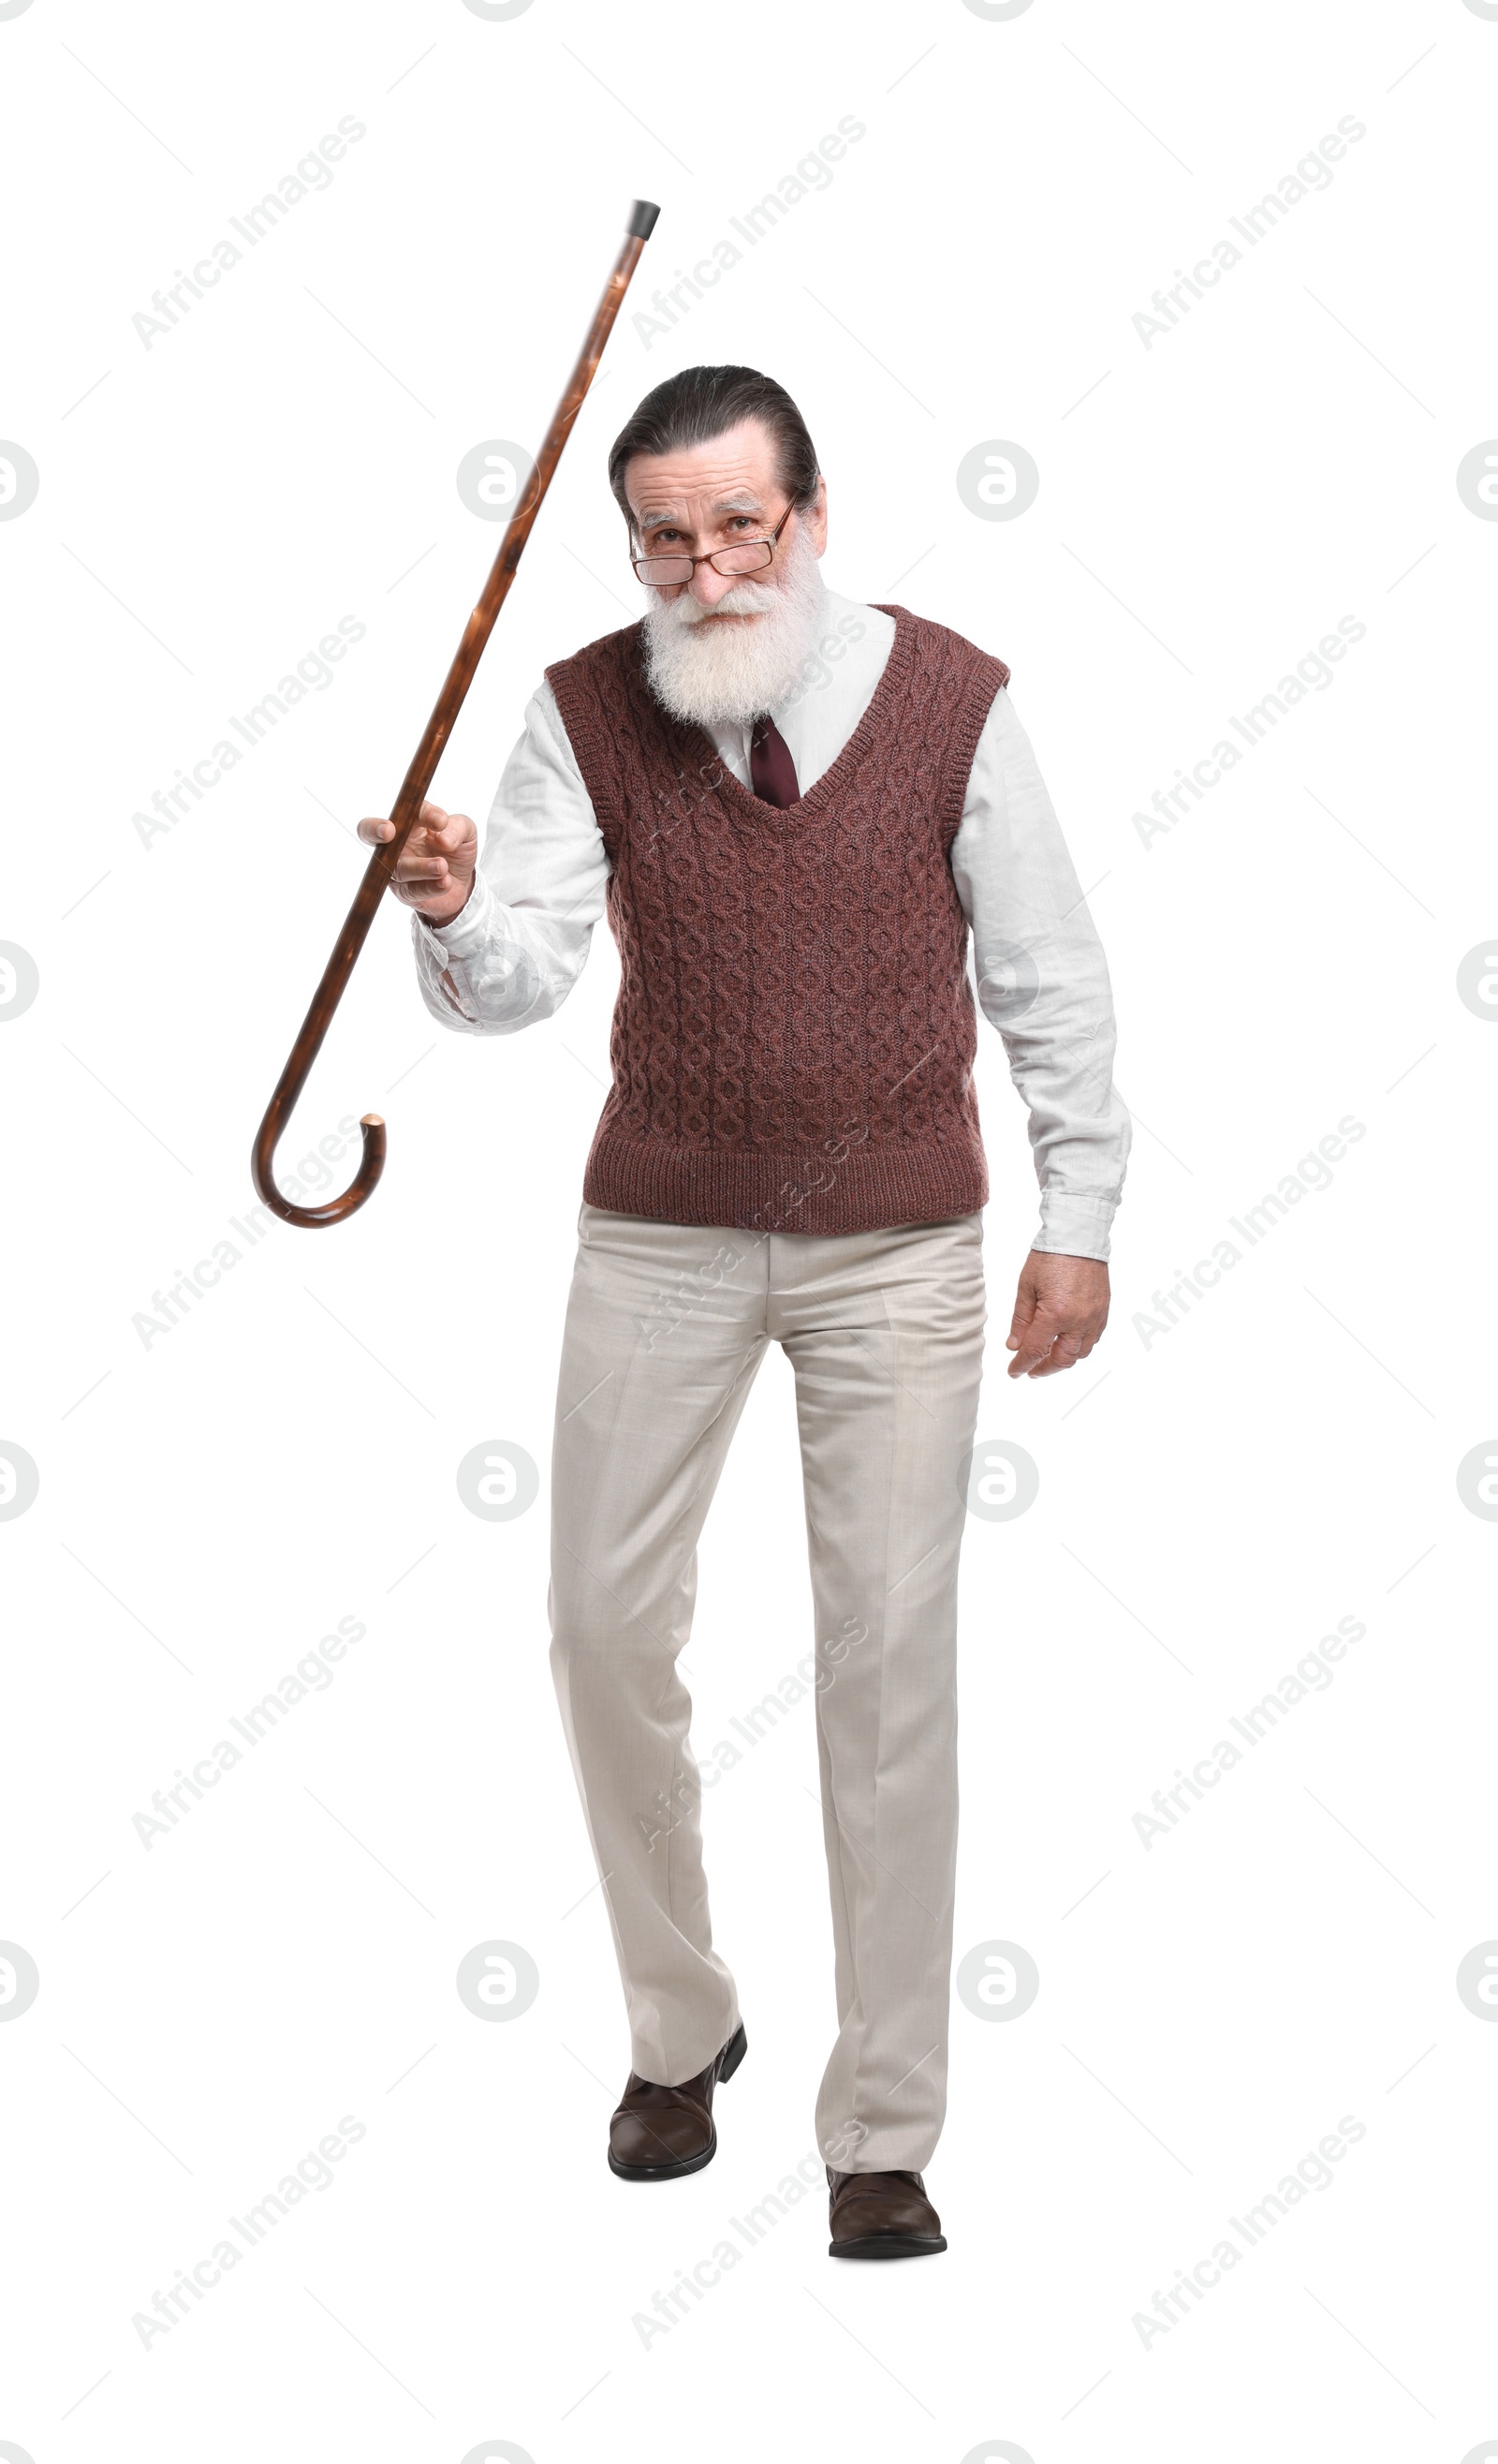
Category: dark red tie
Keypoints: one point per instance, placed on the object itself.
(772, 769)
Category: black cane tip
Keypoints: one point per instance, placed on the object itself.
(643, 219)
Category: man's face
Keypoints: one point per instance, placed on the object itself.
(690, 502)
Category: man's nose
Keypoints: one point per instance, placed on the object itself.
(709, 586)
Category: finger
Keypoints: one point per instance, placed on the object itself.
(420, 850)
(374, 831)
(1035, 1343)
(1053, 1343)
(1063, 1354)
(422, 893)
(1022, 1318)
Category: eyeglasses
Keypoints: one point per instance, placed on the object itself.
(746, 556)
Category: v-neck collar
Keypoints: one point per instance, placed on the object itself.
(742, 801)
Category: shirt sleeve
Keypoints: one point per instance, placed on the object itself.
(517, 948)
(1042, 980)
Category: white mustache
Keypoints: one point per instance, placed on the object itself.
(745, 599)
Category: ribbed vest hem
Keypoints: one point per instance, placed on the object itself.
(754, 1189)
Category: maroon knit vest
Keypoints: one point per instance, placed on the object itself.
(795, 1031)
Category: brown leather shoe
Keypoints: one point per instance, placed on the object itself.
(881, 2215)
(659, 2133)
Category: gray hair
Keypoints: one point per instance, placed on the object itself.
(698, 404)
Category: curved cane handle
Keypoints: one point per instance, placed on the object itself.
(304, 1052)
(311, 1218)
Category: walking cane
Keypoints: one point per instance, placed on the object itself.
(382, 864)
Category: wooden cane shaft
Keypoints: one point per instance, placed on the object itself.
(404, 812)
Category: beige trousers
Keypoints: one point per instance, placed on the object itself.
(667, 1324)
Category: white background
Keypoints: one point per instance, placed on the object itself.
(1211, 1501)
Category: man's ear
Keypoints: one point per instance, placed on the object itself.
(816, 517)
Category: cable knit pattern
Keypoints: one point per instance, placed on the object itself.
(795, 1032)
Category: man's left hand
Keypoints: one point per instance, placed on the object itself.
(1060, 1311)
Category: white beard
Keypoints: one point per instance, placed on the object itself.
(713, 674)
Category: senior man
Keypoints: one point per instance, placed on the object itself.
(791, 808)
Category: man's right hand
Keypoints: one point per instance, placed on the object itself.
(434, 872)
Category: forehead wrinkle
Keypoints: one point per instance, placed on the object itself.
(741, 500)
(701, 473)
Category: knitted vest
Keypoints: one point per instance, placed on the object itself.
(795, 1031)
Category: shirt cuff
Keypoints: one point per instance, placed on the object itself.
(1075, 1226)
(469, 930)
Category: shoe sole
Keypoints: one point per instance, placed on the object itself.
(888, 2246)
(734, 2053)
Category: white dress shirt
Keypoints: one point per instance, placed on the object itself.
(515, 952)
